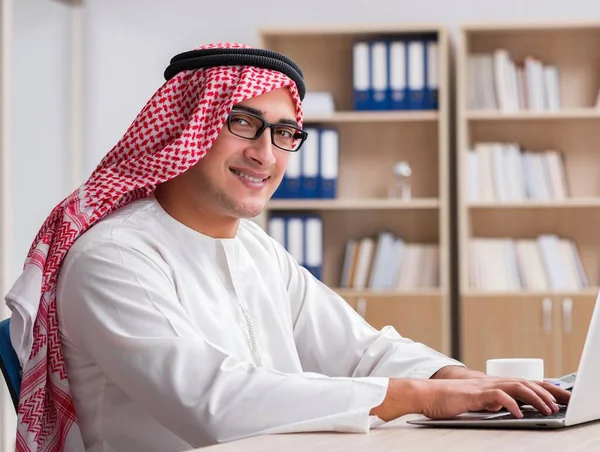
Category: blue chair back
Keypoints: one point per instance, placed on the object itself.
(9, 363)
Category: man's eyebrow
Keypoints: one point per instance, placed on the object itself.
(288, 121)
(249, 110)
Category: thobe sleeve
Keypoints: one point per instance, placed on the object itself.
(333, 339)
(122, 309)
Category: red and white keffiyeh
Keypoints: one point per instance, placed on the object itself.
(173, 131)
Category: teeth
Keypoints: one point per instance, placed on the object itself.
(250, 178)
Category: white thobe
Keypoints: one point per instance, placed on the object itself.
(175, 340)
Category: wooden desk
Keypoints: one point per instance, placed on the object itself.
(402, 437)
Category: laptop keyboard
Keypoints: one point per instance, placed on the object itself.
(531, 413)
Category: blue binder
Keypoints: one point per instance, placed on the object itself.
(295, 238)
(313, 245)
(361, 75)
(277, 229)
(309, 178)
(416, 73)
(379, 75)
(398, 69)
(430, 97)
(290, 188)
(329, 163)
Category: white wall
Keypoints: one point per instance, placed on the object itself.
(129, 42)
(39, 151)
(40, 117)
(7, 416)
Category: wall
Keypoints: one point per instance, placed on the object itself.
(39, 148)
(128, 43)
(40, 117)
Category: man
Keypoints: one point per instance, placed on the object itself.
(182, 323)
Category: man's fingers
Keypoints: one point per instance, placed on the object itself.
(523, 392)
(492, 398)
(546, 396)
(561, 395)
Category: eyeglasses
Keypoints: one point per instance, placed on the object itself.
(245, 124)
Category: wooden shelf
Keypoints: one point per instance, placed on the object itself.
(593, 202)
(353, 204)
(566, 114)
(388, 293)
(529, 27)
(552, 328)
(342, 117)
(543, 323)
(351, 31)
(587, 292)
(371, 143)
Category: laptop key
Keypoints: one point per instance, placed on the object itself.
(534, 414)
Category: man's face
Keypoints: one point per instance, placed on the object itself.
(238, 176)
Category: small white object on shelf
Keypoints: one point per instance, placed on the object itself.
(400, 187)
(318, 103)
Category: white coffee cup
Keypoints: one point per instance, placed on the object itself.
(527, 368)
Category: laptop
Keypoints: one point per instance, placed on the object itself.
(584, 404)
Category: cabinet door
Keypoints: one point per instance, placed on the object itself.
(576, 313)
(419, 318)
(508, 327)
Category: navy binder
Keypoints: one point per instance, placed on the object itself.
(361, 79)
(329, 163)
(313, 245)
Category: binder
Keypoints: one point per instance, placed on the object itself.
(313, 245)
(289, 188)
(310, 164)
(398, 90)
(361, 75)
(379, 67)
(431, 74)
(278, 194)
(276, 228)
(329, 165)
(416, 74)
(295, 238)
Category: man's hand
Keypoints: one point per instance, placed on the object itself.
(442, 398)
(458, 372)
(449, 398)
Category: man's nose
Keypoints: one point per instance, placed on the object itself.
(262, 150)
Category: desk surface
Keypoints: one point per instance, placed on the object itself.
(400, 436)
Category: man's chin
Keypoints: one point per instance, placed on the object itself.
(250, 210)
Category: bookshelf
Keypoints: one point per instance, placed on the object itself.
(370, 143)
(528, 195)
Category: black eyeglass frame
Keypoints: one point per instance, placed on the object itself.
(265, 125)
